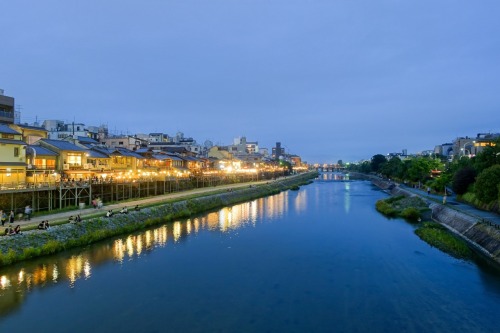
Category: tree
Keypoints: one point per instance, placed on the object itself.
(392, 168)
(487, 184)
(377, 161)
(365, 167)
(462, 179)
(420, 168)
(488, 157)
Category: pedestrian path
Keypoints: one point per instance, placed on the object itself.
(58, 217)
(487, 217)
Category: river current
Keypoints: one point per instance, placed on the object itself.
(320, 259)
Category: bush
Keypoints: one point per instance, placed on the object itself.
(385, 208)
(411, 213)
(486, 187)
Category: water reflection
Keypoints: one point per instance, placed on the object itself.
(333, 176)
(347, 197)
(16, 282)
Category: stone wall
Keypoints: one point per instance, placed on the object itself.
(481, 236)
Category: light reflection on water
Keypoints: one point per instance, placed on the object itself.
(60, 269)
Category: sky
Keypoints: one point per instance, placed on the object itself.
(331, 80)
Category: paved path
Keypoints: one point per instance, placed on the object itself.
(451, 202)
(87, 212)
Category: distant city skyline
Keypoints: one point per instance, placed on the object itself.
(331, 81)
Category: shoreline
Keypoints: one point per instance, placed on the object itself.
(64, 236)
(482, 237)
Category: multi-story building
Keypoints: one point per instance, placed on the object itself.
(7, 113)
(278, 151)
(13, 158)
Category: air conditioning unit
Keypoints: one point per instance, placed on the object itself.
(65, 166)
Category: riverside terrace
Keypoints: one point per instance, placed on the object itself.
(76, 194)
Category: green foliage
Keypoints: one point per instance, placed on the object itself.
(410, 208)
(437, 236)
(51, 247)
(30, 252)
(411, 214)
(393, 168)
(8, 258)
(420, 168)
(462, 179)
(391, 200)
(377, 161)
(486, 187)
(438, 184)
(385, 208)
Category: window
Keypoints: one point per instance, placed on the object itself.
(16, 151)
(74, 159)
(7, 136)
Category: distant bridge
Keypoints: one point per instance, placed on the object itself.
(330, 168)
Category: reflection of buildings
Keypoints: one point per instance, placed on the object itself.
(15, 283)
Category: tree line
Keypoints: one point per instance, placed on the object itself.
(475, 179)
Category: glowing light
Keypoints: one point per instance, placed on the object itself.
(4, 282)
(177, 231)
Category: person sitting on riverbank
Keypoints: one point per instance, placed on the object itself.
(44, 225)
(71, 219)
(110, 213)
(124, 210)
(9, 231)
(78, 218)
(137, 208)
(17, 230)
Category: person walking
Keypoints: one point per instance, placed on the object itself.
(12, 216)
(27, 213)
(3, 217)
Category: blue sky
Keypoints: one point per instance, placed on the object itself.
(329, 79)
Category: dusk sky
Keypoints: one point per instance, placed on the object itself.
(328, 79)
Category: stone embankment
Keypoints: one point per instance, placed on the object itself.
(482, 236)
(35, 243)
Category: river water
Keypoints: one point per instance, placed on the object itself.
(320, 259)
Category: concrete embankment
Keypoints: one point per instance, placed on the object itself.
(35, 243)
(482, 236)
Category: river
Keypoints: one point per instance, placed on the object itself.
(320, 259)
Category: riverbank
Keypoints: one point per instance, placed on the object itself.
(35, 243)
(481, 235)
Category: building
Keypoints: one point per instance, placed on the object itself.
(278, 151)
(7, 113)
(124, 141)
(13, 158)
(30, 134)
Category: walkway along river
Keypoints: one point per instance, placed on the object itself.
(320, 259)
(481, 230)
